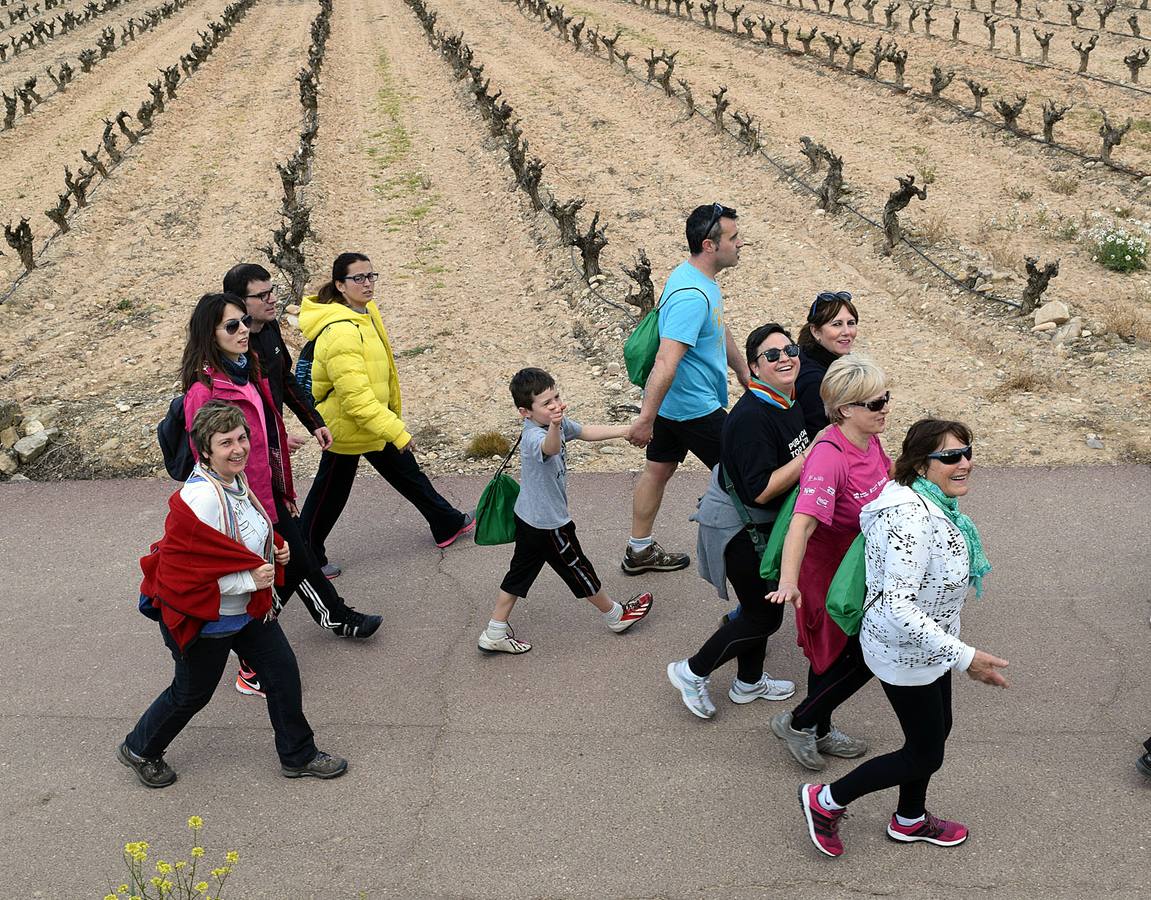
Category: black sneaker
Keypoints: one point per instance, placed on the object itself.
(321, 766)
(153, 773)
(358, 625)
(1143, 764)
(653, 559)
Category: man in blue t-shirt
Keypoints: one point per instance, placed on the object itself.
(685, 398)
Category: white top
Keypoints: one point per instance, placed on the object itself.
(201, 495)
(917, 581)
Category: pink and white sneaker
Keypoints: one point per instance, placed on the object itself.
(822, 824)
(931, 829)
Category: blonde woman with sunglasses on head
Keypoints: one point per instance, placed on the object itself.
(923, 555)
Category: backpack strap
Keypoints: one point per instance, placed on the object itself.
(663, 300)
(757, 538)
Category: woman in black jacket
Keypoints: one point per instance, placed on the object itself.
(830, 332)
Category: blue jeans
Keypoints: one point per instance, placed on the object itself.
(265, 647)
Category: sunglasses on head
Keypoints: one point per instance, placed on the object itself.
(233, 325)
(827, 297)
(952, 456)
(773, 354)
(873, 405)
(717, 211)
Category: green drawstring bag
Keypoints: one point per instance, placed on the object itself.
(643, 344)
(848, 588)
(495, 512)
(773, 553)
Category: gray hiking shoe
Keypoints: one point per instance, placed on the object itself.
(692, 689)
(836, 743)
(801, 744)
(767, 687)
(653, 559)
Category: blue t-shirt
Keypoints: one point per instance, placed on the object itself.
(695, 319)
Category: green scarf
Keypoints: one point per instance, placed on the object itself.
(977, 559)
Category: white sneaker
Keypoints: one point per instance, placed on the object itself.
(506, 644)
(767, 687)
(692, 688)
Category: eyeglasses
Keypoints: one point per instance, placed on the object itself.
(828, 297)
(233, 325)
(263, 295)
(873, 405)
(364, 278)
(774, 353)
(952, 456)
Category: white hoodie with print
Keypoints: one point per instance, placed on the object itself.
(917, 581)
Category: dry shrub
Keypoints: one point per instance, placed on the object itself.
(935, 229)
(1021, 380)
(487, 444)
(1005, 256)
(1126, 318)
(1067, 185)
(1018, 191)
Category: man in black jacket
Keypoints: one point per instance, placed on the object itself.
(304, 574)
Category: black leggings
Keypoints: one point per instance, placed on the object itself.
(745, 636)
(826, 691)
(924, 713)
(333, 485)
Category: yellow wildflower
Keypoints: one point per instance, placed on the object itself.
(217, 873)
(202, 887)
(123, 889)
(181, 864)
(195, 823)
(232, 857)
(164, 868)
(197, 852)
(156, 881)
(111, 897)
(166, 885)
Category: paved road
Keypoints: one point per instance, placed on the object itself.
(573, 771)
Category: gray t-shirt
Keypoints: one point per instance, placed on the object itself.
(543, 499)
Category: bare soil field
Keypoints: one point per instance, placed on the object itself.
(476, 283)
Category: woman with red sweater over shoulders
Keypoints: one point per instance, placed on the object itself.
(208, 582)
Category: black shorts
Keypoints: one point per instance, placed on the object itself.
(671, 440)
(560, 549)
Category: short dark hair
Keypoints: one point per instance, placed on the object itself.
(922, 438)
(215, 417)
(761, 334)
(329, 292)
(238, 278)
(703, 224)
(527, 383)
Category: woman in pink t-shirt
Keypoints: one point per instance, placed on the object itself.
(845, 469)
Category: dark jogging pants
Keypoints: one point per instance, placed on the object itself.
(302, 575)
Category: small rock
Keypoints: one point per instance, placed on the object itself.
(32, 447)
(8, 464)
(108, 445)
(1053, 311)
(1094, 442)
(32, 426)
(1001, 276)
(9, 413)
(1068, 332)
(612, 368)
(613, 386)
(1046, 326)
(123, 407)
(8, 437)
(292, 309)
(18, 477)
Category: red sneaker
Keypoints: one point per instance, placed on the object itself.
(931, 829)
(822, 824)
(469, 525)
(634, 610)
(247, 683)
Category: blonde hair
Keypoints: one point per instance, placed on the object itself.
(850, 379)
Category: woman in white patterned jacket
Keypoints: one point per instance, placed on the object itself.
(922, 556)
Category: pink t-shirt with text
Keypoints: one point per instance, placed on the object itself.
(836, 484)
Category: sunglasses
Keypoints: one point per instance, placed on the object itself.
(774, 353)
(233, 325)
(363, 279)
(873, 405)
(951, 457)
(717, 211)
(828, 297)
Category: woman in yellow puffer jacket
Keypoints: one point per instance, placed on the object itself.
(357, 391)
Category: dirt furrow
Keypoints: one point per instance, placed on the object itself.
(106, 312)
(581, 117)
(36, 152)
(980, 196)
(466, 285)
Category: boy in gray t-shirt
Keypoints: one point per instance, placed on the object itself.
(545, 532)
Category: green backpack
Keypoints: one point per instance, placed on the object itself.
(848, 588)
(495, 512)
(641, 347)
(772, 560)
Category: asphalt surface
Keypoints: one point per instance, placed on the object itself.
(573, 771)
